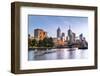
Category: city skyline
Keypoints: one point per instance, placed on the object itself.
(51, 23)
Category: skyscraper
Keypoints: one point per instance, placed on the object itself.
(63, 36)
(39, 34)
(58, 32)
(81, 36)
(71, 36)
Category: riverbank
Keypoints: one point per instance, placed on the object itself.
(46, 48)
(41, 48)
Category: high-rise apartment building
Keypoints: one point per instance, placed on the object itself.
(39, 34)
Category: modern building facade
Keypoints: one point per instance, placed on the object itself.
(63, 36)
(39, 34)
(58, 32)
(60, 37)
(71, 36)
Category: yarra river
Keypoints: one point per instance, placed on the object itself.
(54, 54)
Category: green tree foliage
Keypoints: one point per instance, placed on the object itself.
(46, 42)
(29, 42)
(34, 42)
(40, 43)
(50, 41)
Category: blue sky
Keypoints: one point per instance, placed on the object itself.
(51, 23)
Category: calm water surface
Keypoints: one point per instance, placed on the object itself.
(53, 54)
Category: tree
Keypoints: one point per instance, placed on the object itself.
(34, 42)
(50, 41)
(45, 42)
(29, 42)
(40, 43)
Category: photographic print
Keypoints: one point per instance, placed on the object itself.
(52, 37)
(57, 37)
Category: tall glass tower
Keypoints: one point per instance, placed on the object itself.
(58, 32)
(70, 35)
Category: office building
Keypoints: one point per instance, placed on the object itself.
(39, 34)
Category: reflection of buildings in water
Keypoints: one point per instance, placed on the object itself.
(39, 55)
(60, 54)
(51, 56)
(42, 55)
(71, 54)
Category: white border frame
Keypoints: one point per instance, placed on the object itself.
(25, 64)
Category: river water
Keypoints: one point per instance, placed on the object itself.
(54, 54)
